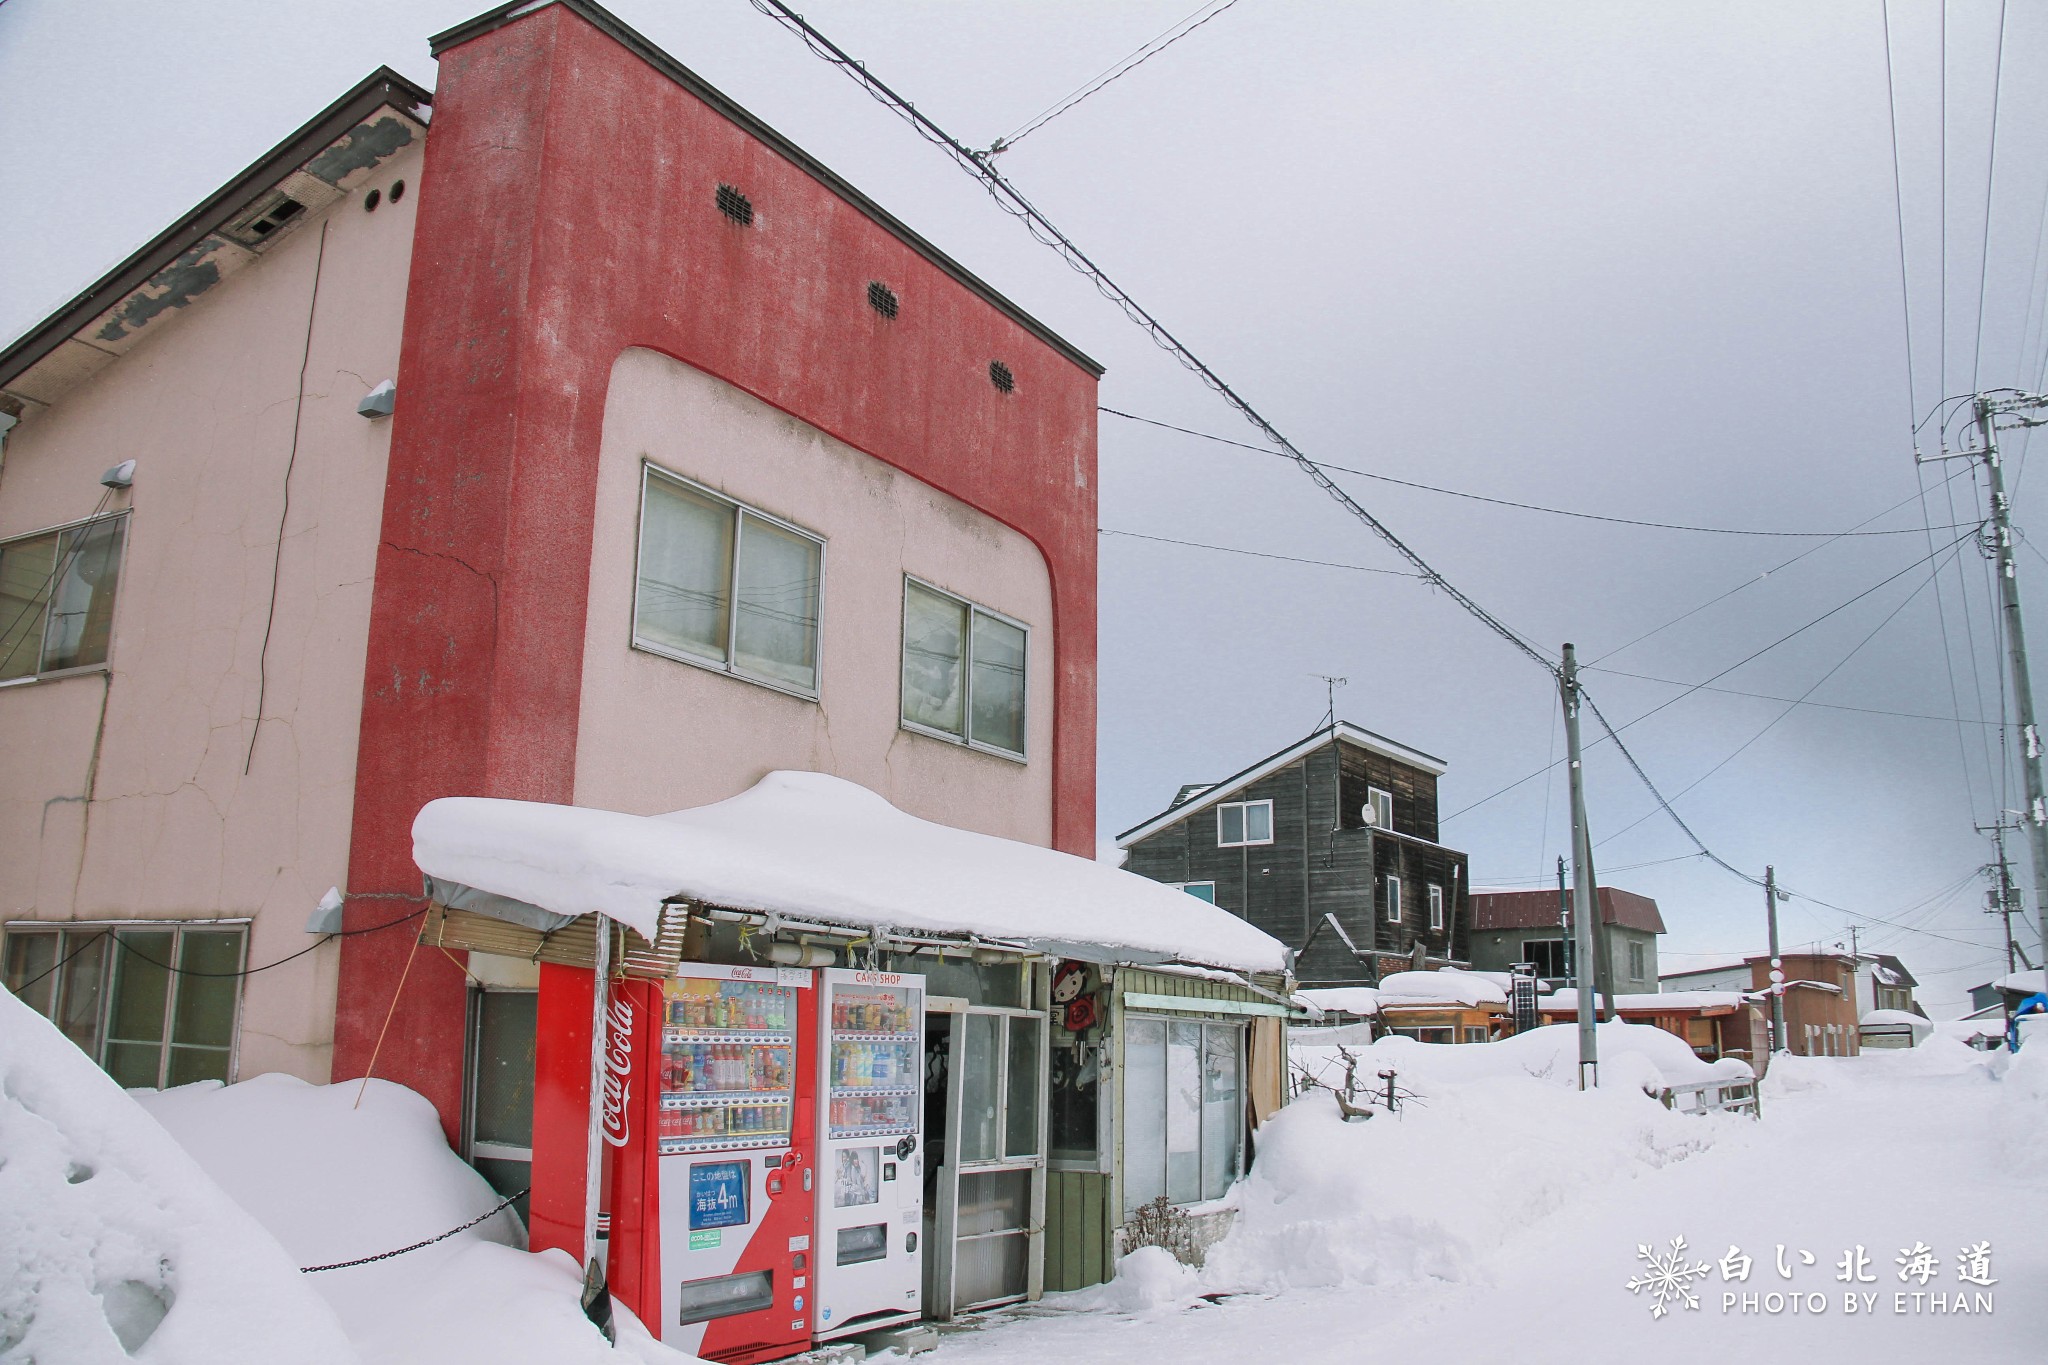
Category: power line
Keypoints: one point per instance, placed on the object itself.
(1691, 688)
(1012, 201)
(1899, 214)
(1509, 502)
(1255, 554)
(1115, 71)
(1990, 181)
(1768, 696)
(1791, 706)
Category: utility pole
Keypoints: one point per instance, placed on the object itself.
(1584, 916)
(1778, 1043)
(2036, 817)
(1603, 945)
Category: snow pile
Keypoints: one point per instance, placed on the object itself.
(1499, 1139)
(818, 847)
(1341, 1000)
(1147, 1280)
(1567, 1002)
(1921, 1027)
(334, 1181)
(113, 1241)
(1446, 987)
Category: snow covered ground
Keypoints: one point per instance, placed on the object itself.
(1503, 1216)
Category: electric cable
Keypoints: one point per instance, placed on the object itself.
(1255, 554)
(1012, 201)
(1990, 183)
(1115, 71)
(1691, 688)
(145, 927)
(1792, 706)
(1899, 213)
(1524, 506)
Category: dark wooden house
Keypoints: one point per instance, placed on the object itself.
(1330, 846)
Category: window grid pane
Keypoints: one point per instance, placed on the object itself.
(141, 1000)
(934, 657)
(1393, 900)
(1222, 1109)
(980, 1121)
(1230, 824)
(775, 630)
(1144, 1112)
(998, 687)
(1020, 1122)
(25, 571)
(1183, 1112)
(1258, 822)
(685, 575)
(32, 957)
(81, 617)
(79, 998)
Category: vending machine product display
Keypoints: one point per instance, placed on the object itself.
(870, 1208)
(734, 1130)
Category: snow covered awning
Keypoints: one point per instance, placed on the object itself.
(821, 850)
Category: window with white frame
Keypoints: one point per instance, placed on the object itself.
(1239, 823)
(1382, 803)
(963, 670)
(1436, 906)
(57, 597)
(1637, 962)
(1183, 1109)
(722, 585)
(154, 1004)
(1393, 899)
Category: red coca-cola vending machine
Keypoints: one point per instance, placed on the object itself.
(712, 1199)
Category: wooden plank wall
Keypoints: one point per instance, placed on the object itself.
(1077, 1230)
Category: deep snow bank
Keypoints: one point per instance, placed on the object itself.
(334, 1181)
(1499, 1138)
(113, 1241)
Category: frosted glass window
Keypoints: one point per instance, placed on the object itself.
(980, 1123)
(1020, 1116)
(934, 651)
(685, 567)
(1144, 1112)
(963, 670)
(1184, 1113)
(776, 634)
(719, 584)
(1222, 1108)
(998, 691)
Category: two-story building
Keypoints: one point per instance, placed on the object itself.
(1510, 927)
(563, 434)
(1329, 845)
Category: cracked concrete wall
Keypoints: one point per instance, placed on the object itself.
(658, 735)
(164, 824)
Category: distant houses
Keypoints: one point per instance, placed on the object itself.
(1330, 845)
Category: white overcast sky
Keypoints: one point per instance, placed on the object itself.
(1638, 259)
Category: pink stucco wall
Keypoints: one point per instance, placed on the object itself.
(656, 734)
(158, 740)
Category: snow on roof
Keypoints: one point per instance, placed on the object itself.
(2024, 983)
(1885, 975)
(1567, 1002)
(1343, 999)
(1446, 987)
(1896, 1017)
(821, 848)
(1724, 964)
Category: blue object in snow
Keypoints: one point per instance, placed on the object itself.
(2037, 1003)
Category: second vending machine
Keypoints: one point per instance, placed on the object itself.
(869, 1266)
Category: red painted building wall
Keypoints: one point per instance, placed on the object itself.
(567, 212)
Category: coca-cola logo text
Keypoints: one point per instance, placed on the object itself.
(618, 1068)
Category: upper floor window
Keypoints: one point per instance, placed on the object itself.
(1239, 823)
(725, 586)
(1393, 899)
(1637, 962)
(963, 670)
(1436, 906)
(57, 597)
(154, 1004)
(1382, 803)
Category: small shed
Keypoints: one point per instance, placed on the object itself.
(1715, 1024)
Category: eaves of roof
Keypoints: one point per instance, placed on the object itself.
(644, 48)
(328, 155)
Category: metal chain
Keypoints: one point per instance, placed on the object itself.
(503, 1204)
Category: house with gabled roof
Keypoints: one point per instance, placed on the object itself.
(1330, 845)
